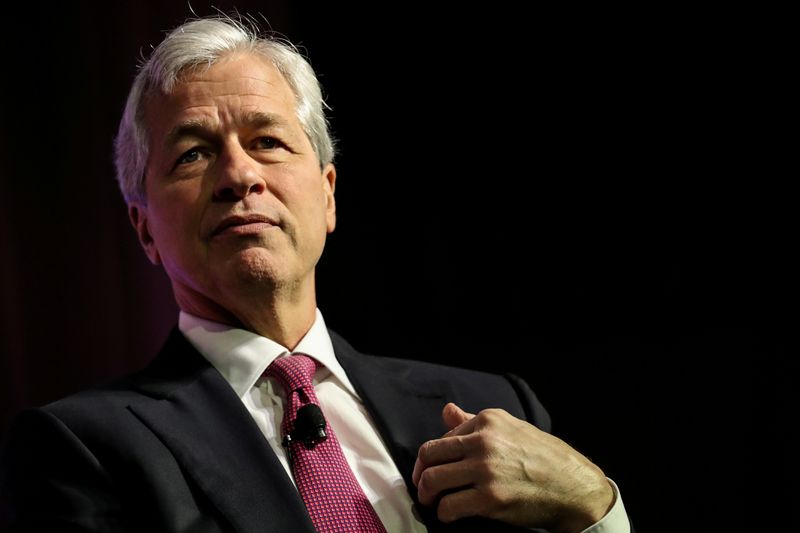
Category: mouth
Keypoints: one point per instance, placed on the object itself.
(243, 225)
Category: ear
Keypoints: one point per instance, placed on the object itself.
(329, 184)
(138, 215)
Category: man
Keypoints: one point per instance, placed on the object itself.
(225, 162)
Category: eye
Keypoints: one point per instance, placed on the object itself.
(190, 156)
(268, 143)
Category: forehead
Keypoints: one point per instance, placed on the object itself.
(234, 86)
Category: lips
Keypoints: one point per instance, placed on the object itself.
(243, 224)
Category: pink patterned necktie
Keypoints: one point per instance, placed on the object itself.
(333, 497)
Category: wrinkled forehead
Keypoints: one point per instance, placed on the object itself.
(235, 85)
(235, 73)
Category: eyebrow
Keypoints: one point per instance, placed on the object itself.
(202, 127)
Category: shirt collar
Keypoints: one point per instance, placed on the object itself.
(242, 356)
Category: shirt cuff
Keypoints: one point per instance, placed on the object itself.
(616, 520)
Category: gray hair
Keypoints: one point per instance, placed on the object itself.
(203, 42)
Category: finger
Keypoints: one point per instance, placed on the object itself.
(484, 419)
(441, 451)
(437, 480)
(418, 468)
(463, 429)
(460, 504)
(454, 416)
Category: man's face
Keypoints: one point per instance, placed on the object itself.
(235, 195)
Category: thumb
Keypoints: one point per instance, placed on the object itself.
(453, 416)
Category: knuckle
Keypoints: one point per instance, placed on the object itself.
(428, 478)
(446, 511)
(462, 443)
(482, 442)
(493, 415)
(493, 495)
(424, 452)
(425, 494)
(483, 470)
(425, 497)
(496, 497)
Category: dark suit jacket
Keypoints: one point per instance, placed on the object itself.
(174, 449)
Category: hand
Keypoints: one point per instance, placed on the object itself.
(498, 466)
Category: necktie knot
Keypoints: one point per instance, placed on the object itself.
(293, 372)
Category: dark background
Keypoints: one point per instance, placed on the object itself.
(590, 199)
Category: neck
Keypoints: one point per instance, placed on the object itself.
(283, 315)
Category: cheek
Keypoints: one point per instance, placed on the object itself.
(315, 216)
(175, 223)
(305, 199)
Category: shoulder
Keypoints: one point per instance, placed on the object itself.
(105, 410)
(410, 367)
(473, 390)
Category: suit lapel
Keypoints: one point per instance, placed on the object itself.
(406, 403)
(405, 406)
(200, 419)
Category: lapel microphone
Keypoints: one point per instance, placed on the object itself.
(309, 426)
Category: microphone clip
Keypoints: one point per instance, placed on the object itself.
(309, 427)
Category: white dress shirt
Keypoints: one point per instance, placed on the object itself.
(242, 357)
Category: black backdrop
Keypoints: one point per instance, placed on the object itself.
(590, 199)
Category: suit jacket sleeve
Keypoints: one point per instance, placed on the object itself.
(52, 482)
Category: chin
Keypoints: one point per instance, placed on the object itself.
(257, 266)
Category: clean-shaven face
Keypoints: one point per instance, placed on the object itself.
(235, 194)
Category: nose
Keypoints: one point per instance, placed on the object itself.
(238, 175)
